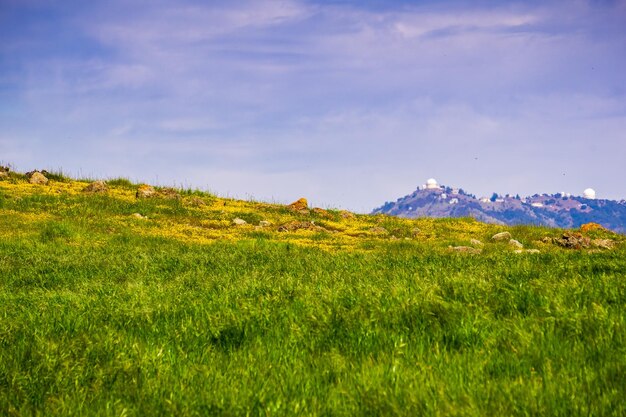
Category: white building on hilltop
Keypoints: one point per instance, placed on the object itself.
(431, 184)
(589, 194)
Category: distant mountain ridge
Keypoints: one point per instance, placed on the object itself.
(553, 210)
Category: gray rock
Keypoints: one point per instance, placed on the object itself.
(169, 193)
(38, 178)
(96, 187)
(603, 243)
(476, 242)
(501, 236)
(264, 223)
(139, 216)
(145, 191)
(346, 214)
(466, 249)
(529, 251)
(516, 244)
(239, 222)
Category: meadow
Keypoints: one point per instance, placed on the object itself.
(113, 305)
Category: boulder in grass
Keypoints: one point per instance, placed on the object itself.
(476, 242)
(466, 249)
(37, 177)
(588, 227)
(603, 243)
(300, 205)
(4, 172)
(239, 222)
(503, 236)
(529, 251)
(346, 214)
(145, 191)
(265, 223)
(170, 193)
(96, 187)
(516, 244)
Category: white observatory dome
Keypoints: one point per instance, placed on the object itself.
(431, 183)
(589, 193)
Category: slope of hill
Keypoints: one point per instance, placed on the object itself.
(555, 210)
(120, 299)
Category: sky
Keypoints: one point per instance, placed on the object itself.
(347, 103)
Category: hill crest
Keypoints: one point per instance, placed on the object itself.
(552, 210)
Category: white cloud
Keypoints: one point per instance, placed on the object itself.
(420, 24)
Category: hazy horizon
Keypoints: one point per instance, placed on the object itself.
(347, 103)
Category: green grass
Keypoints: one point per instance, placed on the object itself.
(96, 319)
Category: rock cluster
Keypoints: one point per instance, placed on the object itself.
(148, 191)
(571, 241)
(301, 206)
(574, 240)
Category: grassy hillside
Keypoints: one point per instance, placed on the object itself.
(116, 305)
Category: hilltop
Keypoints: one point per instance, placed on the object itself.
(553, 210)
(118, 206)
(127, 299)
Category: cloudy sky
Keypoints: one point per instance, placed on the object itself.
(349, 103)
